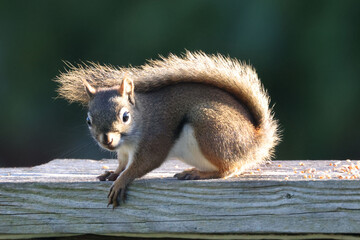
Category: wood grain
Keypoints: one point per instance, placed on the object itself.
(63, 198)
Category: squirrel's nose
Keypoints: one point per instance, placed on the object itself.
(108, 139)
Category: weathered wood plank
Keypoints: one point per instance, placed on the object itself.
(63, 197)
(78, 170)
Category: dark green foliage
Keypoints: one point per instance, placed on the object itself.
(307, 54)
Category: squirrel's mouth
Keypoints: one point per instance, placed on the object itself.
(110, 147)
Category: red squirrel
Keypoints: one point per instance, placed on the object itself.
(211, 112)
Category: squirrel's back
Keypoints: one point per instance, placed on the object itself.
(230, 75)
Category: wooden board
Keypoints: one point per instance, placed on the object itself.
(63, 198)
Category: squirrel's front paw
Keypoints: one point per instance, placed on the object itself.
(117, 194)
(108, 175)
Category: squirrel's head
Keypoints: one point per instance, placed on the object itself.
(110, 113)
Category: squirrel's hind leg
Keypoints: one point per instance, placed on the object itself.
(226, 137)
(187, 149)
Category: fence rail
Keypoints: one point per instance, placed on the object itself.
(284, 199)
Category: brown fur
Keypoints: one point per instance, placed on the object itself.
(220, 98)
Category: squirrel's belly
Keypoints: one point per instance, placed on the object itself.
(187, 149)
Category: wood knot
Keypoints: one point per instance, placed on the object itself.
(288, 195)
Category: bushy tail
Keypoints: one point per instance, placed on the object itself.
(228, 74)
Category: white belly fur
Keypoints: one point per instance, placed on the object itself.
(187, 150)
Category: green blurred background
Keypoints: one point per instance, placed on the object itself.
(305, 52)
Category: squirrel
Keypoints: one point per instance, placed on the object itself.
(210, 111)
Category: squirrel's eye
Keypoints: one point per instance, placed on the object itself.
(88, 120)
(125, 115)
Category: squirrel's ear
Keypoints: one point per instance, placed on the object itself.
(127, 89)
(91, 91)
